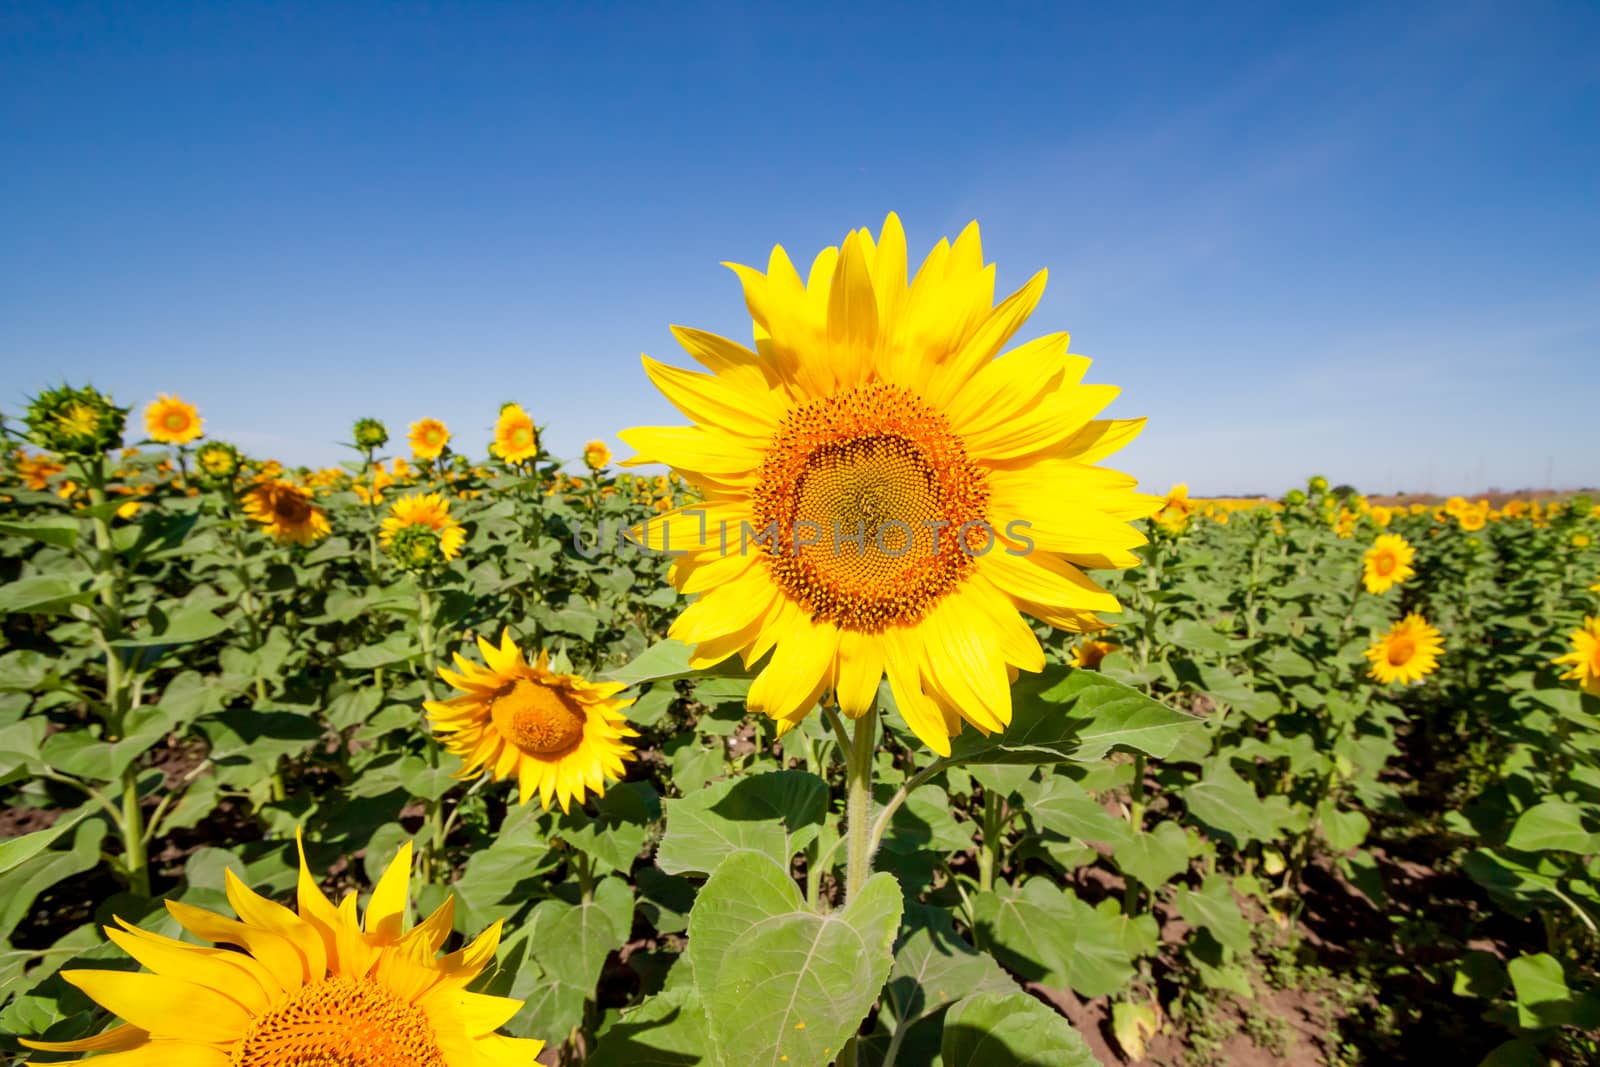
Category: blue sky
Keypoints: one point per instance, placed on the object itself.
(1356, 240)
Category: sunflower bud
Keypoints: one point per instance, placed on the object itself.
(596, 454)
(216, 464)
(1294, 498)
(370, 434)
(75, 422)
(415, 549)
(1317, 484)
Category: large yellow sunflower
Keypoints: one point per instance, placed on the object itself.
(286, 512)
(313, 988)
(515, 437)
(428, 438)
(559, 735)
(1585, 655)
(429, 511)
(172, 421)
(1406, 653)
(881, 493)
(1387, 563)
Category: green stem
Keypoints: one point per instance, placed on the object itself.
(858, 803)
(1130, 891)
(989, 854)
(880, 826)
(133, 835)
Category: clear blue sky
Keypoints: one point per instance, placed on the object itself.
(1360, 240)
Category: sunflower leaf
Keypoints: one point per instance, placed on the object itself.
(1065, 714)
(1010, 1030)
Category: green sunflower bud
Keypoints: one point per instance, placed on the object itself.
(415, 549)
(1317, 484)
(216, 464)
(75, 422)
(370, 433)
(1294, 498)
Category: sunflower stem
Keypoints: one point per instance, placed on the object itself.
(858, 803)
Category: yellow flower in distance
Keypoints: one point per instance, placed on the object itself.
(1474, 517)
(558, 735)
(1387, 563)
(596, 455)
(515, 438)
(1585, 655)
(1089, 652)
(1407, 652)
(1174, 512)
(172, 421)
(308, 987)
(914, 491)
(1580, 540)
(430, 510)
(286, 512)
(428, 438)
(36, 471)
(1381, 515)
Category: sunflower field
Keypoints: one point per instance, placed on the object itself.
(873, 720)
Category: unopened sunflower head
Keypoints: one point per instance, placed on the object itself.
(286, 512)
(596, 455)
(560, 736)
(884, 492)
(171, 421)
(75, 422)
(369, 434)
(303, 987)
(419, 533)
(216, 464)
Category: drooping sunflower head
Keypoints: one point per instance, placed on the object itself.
(314, 987)
(1089, 652)
(559, 735)
(1387, 563)
(369, 434)
(596, 455)
(419, 532)
(881, 494)
(1408, 652)
(516, 439)
(75, 422)
(171, 421)
(286, 512)
(1584, 659)
(428, 438)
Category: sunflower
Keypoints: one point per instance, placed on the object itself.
(515, 437)
(596, 455)
(560, 735)
(1381, 515)
(1474, 517)
(1173, 513)
(1089, 652)
(428, 438)
(172, 421)
(1580, 540)
(287, 513)
(422, 524)
(891, 493)
(1407, 652)
(1387, 563)
(36, 471)
(317, 987)
(1585, 655)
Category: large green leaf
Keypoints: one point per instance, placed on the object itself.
(1065, 714)
(1045, 933)
(59, 531)
(1010, 1030)
(1213, 907)
(782, 985)
(934, 967)
(1062, 805)
(1229, 805)
(44, 594)
(1154, 855)
(667, 1030)
(1553, 825)
(775, 814)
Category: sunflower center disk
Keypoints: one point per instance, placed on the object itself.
(177, 421)
(341, 1022)
(873, 506)
(1384, 565)
(538, 719)
(1401, 649)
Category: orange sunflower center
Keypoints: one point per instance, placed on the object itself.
(1401, 648)
(539, 719)
(869, 509)
(1383, 563)
(176, 421)
(340, 1022)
